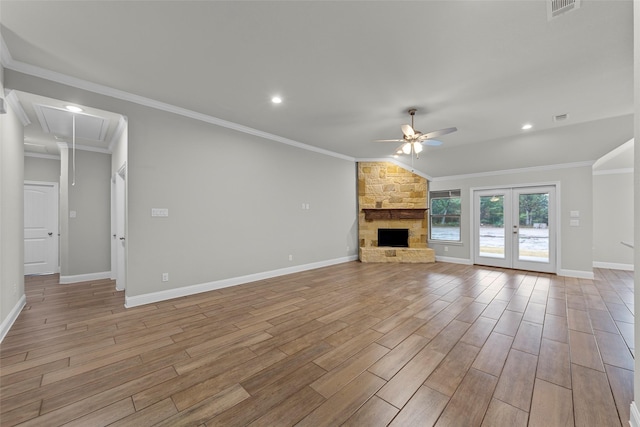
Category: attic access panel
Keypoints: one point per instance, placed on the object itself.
(59, 122)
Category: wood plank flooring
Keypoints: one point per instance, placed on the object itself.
(353, 344)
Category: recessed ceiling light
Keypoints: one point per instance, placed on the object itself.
(527, 126)
(73, 108)
(276, 100)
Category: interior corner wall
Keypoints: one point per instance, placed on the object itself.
(613, 220)
(234, 200)
(575, 195)
(11, 217)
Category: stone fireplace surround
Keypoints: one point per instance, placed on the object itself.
(392, 197)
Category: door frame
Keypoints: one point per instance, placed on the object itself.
(556, 215)
(119, 222)
(55, 220)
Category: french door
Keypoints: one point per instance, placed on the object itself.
(515, 228)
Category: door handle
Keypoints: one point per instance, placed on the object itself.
(50, 234)
(122, 238)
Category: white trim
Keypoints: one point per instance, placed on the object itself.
(54, 76)
(65, 280)
(122, 125)
(93, 149)
(453, 260)
(613, 171)
(613, 153)
(134, 301)
(8, 322)
(42, 156)
(512, 171)
(613, 266)
(62, 144)
(16, 106)
(635, 415)
(580, 274)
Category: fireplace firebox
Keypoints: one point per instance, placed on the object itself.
(394, 237)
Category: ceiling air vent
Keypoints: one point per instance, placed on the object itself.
(556, 8)
(560, 117)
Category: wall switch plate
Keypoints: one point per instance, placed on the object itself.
(574, 223)
(159, 212)
(290, 257)
(575, 214)
(165, 277)
(72, 214)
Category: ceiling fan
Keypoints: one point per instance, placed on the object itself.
(414, 139)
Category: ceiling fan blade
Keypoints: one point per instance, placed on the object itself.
(437, 133)
(407, 130)
(432, 142)
(388, 140)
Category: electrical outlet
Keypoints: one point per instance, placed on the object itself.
(15, 289)
(165, 277)
(446, 248)
(290, 257)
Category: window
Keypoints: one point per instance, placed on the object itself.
(444, 215)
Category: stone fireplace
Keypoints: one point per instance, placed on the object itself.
(391, 197)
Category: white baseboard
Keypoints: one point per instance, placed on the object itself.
(635, 415)
(613, 266)
(8, 322)
(453, 260)
(65, 280)
(580, 274)
(134, 301)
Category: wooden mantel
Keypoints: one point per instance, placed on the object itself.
(371, 214)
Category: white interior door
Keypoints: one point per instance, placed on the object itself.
(515, 228)
(41, 228)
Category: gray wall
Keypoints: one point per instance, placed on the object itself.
(11, 216)
(89, 242)
(575, 192)
(234, 199)
(41, 169)
(613, 219)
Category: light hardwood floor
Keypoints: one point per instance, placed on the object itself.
(353, 344)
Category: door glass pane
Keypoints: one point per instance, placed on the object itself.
(491, 236)
(533, 221)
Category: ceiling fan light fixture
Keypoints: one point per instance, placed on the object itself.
(417, 147)
(406, 148)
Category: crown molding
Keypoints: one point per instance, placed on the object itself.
(35, 71)
(16, 107)
(512, 171)
(42, 156)
(66, 145)
(613, 171)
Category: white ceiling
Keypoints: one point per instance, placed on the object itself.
(349, 70)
